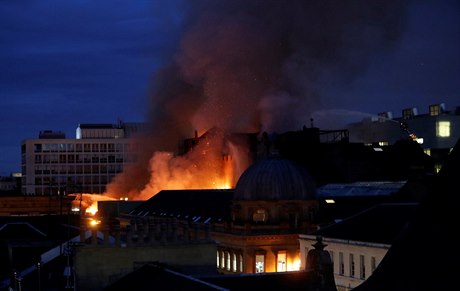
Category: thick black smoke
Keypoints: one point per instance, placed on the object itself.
(251, 66)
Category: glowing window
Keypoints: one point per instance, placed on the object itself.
(427, 151)
(227, 254)
(260, 263)
(218, 259)
(234, 262)
(443, 128)
(259, 215)
(281, 265)
(222, 261)
(436, 109)
(437, 167)
(241, 263)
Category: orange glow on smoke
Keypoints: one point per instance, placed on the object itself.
(210, 164)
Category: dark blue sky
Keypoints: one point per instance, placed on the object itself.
(70, 62)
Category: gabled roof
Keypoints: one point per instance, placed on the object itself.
(379, 224)
(20, 231)
(196, 205)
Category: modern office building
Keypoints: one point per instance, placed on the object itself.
(436, 131)
(53, 164)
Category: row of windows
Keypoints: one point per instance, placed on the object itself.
(229, 261)
(73, 180)
(353, 263)
(96, 189)
(77, 158)
(77, 169)
(81, 147)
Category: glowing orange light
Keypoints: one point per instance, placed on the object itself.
(92, 209)
(94, 222)
(294, 265)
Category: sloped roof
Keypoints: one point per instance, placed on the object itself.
(153, 277)
(379, 224)
(299, 280)
(196, 205)
(367, 188)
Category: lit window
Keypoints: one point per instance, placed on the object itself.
(259, 215)
(443, 128)
(227, 254)
(241, 263)
(281, 267)
(427, 152)
(260, 263)
(234, 262)
(436, 109)
(218, 259)
(437, 167)
(222, 260)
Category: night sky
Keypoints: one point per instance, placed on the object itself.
(70, 62)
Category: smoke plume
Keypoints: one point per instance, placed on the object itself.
(251, 66)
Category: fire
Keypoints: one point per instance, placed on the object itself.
(92, 209)
(212, 163)
(88, 202)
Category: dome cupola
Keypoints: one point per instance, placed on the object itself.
(275, 179)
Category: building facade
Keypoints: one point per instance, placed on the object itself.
(358, 243)
(54, 164)
(436, 131)
(255, 226)
(353, 261)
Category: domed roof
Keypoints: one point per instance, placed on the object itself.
(275, 179)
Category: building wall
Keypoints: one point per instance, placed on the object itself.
(237, 253)
(42, 205)
(424, 126)
(50, 166)
(372, 254)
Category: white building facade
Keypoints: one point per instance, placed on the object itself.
(353, 261)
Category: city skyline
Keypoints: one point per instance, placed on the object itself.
(90, 62)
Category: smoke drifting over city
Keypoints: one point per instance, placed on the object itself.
(248, 67)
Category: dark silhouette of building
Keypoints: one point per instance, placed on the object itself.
(424, 256)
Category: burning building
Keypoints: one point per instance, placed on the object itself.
(249, 67)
